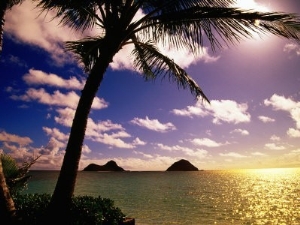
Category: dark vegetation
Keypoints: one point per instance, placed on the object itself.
(30, 209)
(84, 210)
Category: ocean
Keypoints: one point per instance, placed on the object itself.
(250, 197)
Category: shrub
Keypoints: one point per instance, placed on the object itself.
(85, 210)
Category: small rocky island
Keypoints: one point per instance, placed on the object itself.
(109, 166)
(182, 165)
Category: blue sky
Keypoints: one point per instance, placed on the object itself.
(253, 120)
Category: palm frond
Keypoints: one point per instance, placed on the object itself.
(86, 50)
(73, 12)
(12, 3)
(154, 64)
(166, 6)
(217, 25)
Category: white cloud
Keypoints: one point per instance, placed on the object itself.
(111, 134)
(65, 116)
(273, 146)
(281, 103)
(206, 142)
(86, 149)
(148, 156)
(258, 154)
(56, 133)
(240, 131)
(38, 77)
(113, 140)
(171, 148)
(293, 133)
(154, 124)
(274, 138)
(18, 152)
(285, 104)
(292, 48)
(105, 132)
(266, 119)
(233, 155)
(6, 137)
(70, 99)
(221, 110)
(199, 153)
(190, 111)
(138, 141)
(26, 23)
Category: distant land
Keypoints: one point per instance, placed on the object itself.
(109, 166)
(182, 165)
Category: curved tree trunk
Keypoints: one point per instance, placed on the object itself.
(8, 213)
(63, 193)
(2, 13)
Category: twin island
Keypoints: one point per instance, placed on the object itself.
(181, 165)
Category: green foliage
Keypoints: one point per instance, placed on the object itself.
(10, 166)
(16, 176)
(85, 210)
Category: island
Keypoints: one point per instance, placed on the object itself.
(109, 166)
(182, 165)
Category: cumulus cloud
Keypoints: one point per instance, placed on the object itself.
(292, 49)
(206, 142)
(138, 141)
(240, 131)
(258, 154)
(293, 133)
(38, 77)
(273, 146)
(221, 110)
(233, 155)
(56, 133)
(105, 132)
(154, 124)
(285, 104)
(70, 99)
(19, 152)
(111, 134)
(6, 137)
(266, 119)
(199, 153)
(65, 116)
(26, 23)
(274, 138)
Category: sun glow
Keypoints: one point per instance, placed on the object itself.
(276, 172)
(251, 5)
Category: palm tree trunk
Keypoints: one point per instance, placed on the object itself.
(2, 13)
(63, 193)
(7, 207)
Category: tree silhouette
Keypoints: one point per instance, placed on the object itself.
(182, 24)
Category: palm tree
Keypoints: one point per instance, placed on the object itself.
(183, 24)
(7, 205)
(5, 5)
(12, 179)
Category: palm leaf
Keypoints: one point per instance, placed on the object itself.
(154, 64)
(86, 50)
(73, 12)
(229, 25)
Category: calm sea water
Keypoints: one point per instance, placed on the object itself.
(260, 197)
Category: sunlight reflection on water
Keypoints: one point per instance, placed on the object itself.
(240, 197)
(272, 196)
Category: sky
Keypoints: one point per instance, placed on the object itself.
(253, 120)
